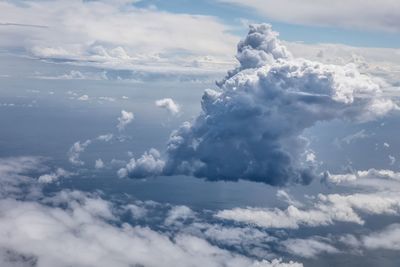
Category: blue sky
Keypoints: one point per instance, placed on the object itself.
(234, 15)
(180, 133)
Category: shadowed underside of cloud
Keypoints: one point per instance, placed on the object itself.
(251, 127)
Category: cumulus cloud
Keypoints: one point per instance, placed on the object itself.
(251, 127)
(169, 105)
(76, 150)
(105, 137)
(126, 118)
(73, 228)
(352, 137)
(149, 164)
(308, 248)
(388, 238)
(83, 98)
(54, 176)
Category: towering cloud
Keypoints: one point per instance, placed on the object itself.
(251, 127)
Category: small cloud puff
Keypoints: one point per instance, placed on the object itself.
(169, 105)
(125, 118)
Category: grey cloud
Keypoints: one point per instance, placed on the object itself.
(251, 128)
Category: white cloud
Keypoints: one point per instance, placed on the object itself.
(392, 159)
(126, 118)
(380, 62)
(149, 164)
(388, 238)
(105, 137)
(73, 228)
(83, 98)
(117, 35)
(325, 210)
(261, 110)
(54, 176)
(308, 248)
(375, 15)
(178, 213)
(76, 150)
(353, 137)
(169, 105)
(99, 164)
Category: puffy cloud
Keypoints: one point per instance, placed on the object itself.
(54, 176)
(92, 233)
(105, 137)
(353, 137)
(126, 118)
(149, 164)
(119, 35)
(178, 213)
(99, 164)
(169, 105)
(251, 128)
(326, 209)
(392, 159)
(83, 98)
(308, 248)
(76, 150)
(380, 15)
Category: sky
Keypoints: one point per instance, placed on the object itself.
(199, 133)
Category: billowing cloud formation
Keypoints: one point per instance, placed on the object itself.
(251, 127)
(124, 120)
(169, 105)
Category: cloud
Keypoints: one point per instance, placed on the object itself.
(149, 164)
(83, 98)
(126, 118)
(380, 15)
(119, 35)
(105, 137)
(392, 159)
(169, 105)
(379, 62)
(54, 176)
(327, 209)
(353, 137)
(99, 164)
(308, 248)
(76, 150)
(251, 128)
(178, 213)
(385, 239)
(74, 228)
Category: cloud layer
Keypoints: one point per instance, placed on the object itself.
(251, 128)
